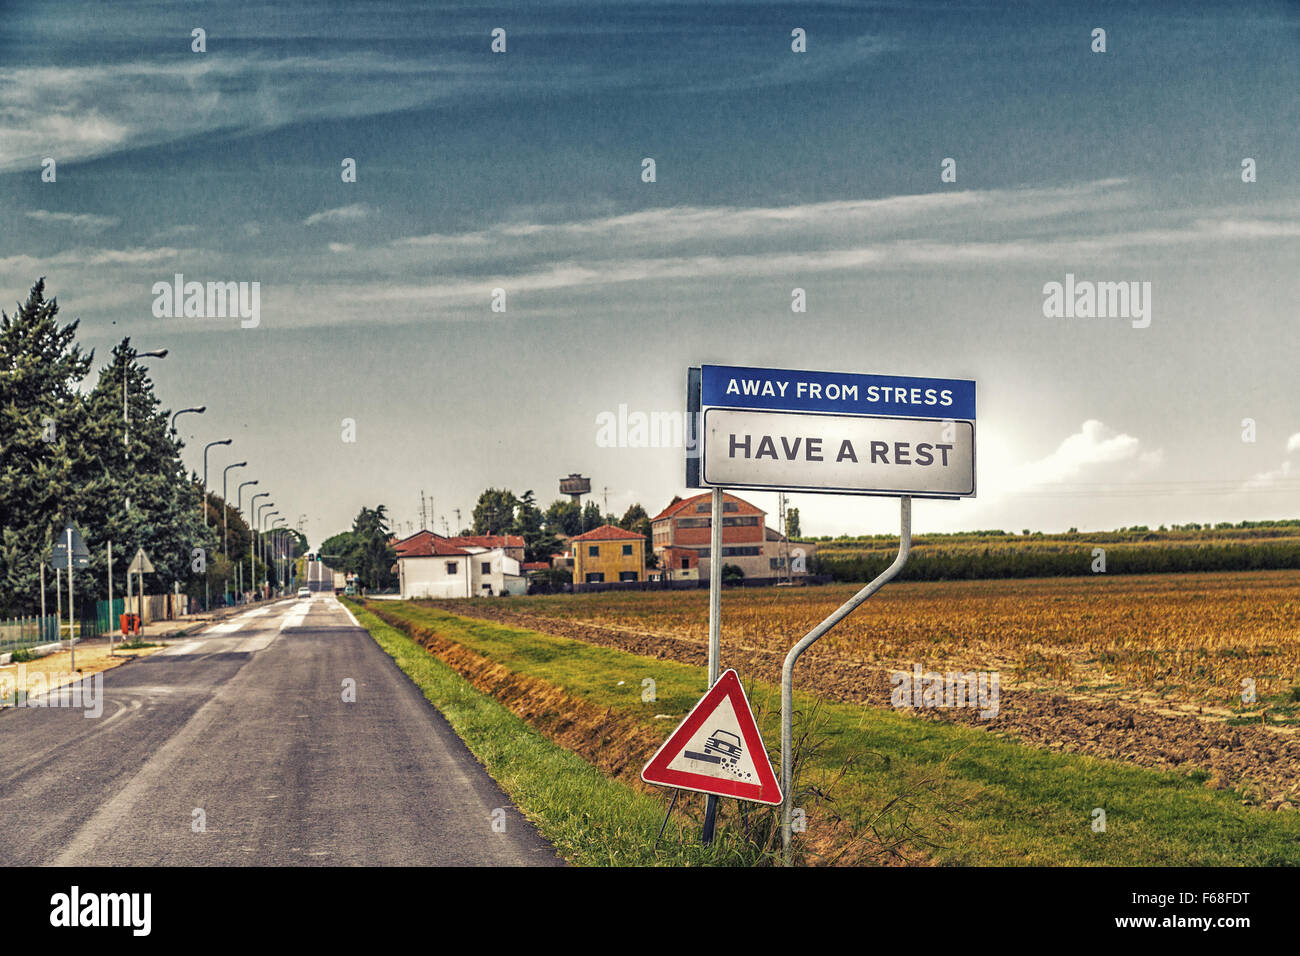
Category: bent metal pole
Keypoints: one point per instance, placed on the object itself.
(787, 672)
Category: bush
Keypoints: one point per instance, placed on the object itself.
(732, 574)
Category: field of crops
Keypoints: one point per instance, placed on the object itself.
(1192, 638)
(1130, 551)
(1148, 669)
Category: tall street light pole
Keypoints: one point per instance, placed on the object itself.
(280, 542)
(224, 441)
(126, 408)
(252, 533)
(261, 536)
(225, 509)
(271, 540)
(196, 410)
(239, 509)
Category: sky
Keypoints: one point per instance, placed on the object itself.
(774, 170)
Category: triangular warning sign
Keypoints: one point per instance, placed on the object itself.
(717, 749)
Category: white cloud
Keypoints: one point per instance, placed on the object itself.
(349, 213)
(341, 247)
(86, 222)
(1293, 443)
(1093, 449)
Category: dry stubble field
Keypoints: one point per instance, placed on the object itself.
(1141, 668)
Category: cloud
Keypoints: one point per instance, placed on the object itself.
(76, 112)
(341, 247)
(1293, 443)
(339, 214)
(86, 222)
(1267, 479)
(1092, 449)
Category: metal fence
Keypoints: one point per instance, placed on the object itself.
(19, 632)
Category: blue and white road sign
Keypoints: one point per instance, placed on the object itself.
(847, 433)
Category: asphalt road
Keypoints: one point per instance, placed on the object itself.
(246, 722)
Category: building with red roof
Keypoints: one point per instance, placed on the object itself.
(433, 566)
(747, 542)
(606, 554)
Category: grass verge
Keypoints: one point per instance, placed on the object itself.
(589, 818)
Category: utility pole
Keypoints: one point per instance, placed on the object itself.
(110, 599)
(783, 573)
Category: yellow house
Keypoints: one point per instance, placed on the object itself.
(606, 554)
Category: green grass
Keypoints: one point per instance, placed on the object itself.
(588, 817)
(974, 797)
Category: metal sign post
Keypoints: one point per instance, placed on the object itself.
(141, 565)
(72, 634)
(816, 634)
(110, 599)
(69, 553)
(715, 633)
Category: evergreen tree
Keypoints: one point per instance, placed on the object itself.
(495, 511)
(41, 367)
(563, 517)
(539, 543)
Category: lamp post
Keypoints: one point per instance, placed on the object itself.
(261, 537)
(239, 509)
(126, 408)
(224, 441)
(252, 533)
(280, 543)
(196, 410)
(225, 509)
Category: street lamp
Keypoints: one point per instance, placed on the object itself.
(252, 534)
(239, 508)
(225, 509)
(280, 540)
(126, 410)
(224, 441)
(197, 410)
(261, 535)
(269, 545)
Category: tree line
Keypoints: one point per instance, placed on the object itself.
(947, 564)
(98, 451)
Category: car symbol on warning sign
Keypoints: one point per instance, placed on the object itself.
(717, 749)
(721, 747)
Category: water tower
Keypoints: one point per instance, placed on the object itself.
(575, 486)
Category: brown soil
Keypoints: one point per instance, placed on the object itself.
(1264, 763)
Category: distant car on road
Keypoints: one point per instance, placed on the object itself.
(304, 592)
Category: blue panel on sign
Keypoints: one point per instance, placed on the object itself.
(844, 393)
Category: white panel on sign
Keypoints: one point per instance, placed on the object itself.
(845, 453)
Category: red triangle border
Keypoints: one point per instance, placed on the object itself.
(767, 790)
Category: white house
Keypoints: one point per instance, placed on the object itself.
(432, 566)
